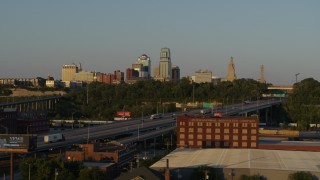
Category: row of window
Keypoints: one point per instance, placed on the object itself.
(182, 143)
(217, 124)
(218, 130)
(217, 137)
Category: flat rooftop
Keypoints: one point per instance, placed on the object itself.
(242, 158)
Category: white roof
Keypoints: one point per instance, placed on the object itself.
(242, 158)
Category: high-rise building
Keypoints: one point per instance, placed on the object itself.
(203, 76)
(119, 76)
(231, 76)
(175, 73)
(69, 72)
(143, 66)
(131, 73)
(165, 67)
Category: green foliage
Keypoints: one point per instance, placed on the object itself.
(94, 174)
(65, 174)
(301, 176)
(45, 169)
(102, 101)
(302, 105)
(5, 91)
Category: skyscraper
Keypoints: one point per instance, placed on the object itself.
(175, 73)
(145, 68)
(231, 75)
(165, 67)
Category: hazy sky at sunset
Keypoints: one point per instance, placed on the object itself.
(38, 37)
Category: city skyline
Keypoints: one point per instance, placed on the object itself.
(37, 37)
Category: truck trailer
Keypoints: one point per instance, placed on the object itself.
(53, 138)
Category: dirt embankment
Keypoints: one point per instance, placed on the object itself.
(24, 92)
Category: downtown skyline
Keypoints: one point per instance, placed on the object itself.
(38, 37)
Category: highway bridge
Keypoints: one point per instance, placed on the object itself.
(43, 103)
(140, 131)
(147, 129)
(250, 106)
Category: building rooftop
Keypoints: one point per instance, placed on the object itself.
(242, 158)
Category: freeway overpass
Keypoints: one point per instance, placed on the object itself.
(150, 127)
(105, 131)
(144, 130)
(251, 106)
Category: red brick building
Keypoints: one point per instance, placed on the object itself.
(108, 153)
(225, 132)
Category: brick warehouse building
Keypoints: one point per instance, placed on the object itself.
(224, 132)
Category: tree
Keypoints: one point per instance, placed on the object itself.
(302, 104)
(301, 176)
(94, 174)
(65, 174)
(105, 100)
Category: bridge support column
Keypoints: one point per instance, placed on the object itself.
(267, 116)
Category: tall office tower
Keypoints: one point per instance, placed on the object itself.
(262, 80)
(145, 70)
(69, 72)
(165, 68)
(231, 76)
(175, 73)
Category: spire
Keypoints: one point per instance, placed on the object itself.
(262, 80)
(231, 75)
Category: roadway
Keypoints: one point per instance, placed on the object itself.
(133, 126)
(105, 131)
(243, 108)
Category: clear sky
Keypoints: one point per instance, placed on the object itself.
(38, 37)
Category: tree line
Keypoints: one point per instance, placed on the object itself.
(303, 105)
(102, 101)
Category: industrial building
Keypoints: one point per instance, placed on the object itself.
(224, 132)
(232, 163)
